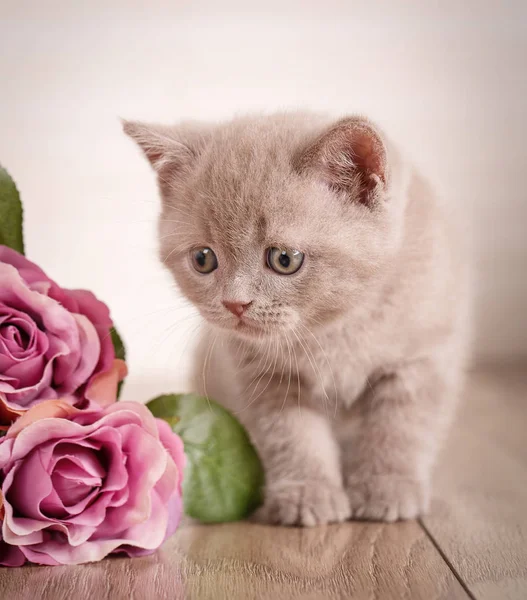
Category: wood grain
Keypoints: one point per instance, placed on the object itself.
(245, 561)
(479, 518)
(478, 522)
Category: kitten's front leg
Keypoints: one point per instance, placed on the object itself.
(402, 421)
(302, 466)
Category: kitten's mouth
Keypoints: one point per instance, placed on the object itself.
(247, 326)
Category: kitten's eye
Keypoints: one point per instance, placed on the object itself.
(204, 260)
(284, 262)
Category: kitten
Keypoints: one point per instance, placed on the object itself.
(335, 300)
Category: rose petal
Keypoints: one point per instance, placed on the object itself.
(74, 368)
(73, 478)
(146, 464)
(39, 558)
(27, 485)
(31, 372)
(97, 312)
(26, 531)
(74, 344)
(15, 341)
(58, 323)
(52, 507)
(112, 477)
(116, 474)
(147, 535)
(94, 514)
(7, 412)
(143, 416)
(20, 336)
(83, 466)
(59, 409)
(175, 512)
(10, 556)
(43, 431)
(20, 530)
(174, 444)
(103, 387)
(29, 272)
(67, 330)
(117, 414)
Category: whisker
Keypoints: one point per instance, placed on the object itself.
(174, 221)
(283, 362)
(141, 325)
(268, 381)
(175, 249)
(169, 331)
(205, 363)
(289, 379)
(190, 337)
(241, 357)
(316, 371)
(256, 354)
(259, 372)
(297, 381)
(328, 363)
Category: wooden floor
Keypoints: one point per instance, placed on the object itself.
(473, 544)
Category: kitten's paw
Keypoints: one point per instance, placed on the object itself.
(306, 504)
(387, 497)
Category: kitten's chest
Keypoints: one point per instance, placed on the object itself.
(333, 367)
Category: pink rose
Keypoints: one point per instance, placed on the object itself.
(79, 485)
(53, 342)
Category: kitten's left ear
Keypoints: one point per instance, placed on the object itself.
(350, 157)
(160, 144)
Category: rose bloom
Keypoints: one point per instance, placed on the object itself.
(54, 343)
(79, 485)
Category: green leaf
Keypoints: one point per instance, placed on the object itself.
(10, 213)
(224, 477)
(118, 344)
(120, 352)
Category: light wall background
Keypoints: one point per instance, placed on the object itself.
(447, 79)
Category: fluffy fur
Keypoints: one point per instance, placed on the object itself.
(346, 374)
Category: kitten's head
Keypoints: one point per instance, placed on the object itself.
(273, 223)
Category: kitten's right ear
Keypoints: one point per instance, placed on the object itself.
(160, 145)
(350, 157)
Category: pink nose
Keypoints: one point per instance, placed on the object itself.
(236, 308)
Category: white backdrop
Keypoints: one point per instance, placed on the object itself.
(448, 80)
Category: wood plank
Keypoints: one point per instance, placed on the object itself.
(478, 520)
(479, 517)
(244, 561)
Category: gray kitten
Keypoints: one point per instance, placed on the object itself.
(335, 297)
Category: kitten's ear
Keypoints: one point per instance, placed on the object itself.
(160, 144)
(350, 157)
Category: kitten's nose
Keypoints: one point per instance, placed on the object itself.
(236, 308)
